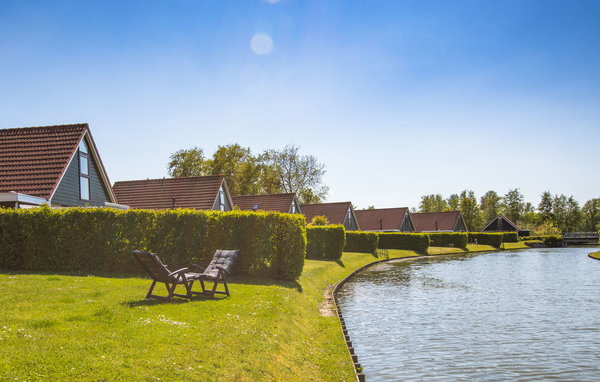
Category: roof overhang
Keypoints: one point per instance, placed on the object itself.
(16, 197)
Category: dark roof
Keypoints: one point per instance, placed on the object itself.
(335, 212)
(197, 192)
(272, 202)
(33, 159)
(381, 218)
(501, 216)
(435, 221)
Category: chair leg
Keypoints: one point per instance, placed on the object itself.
(149, 294)
(226, 289)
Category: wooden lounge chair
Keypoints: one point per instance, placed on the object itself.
(160, 273)
(221, 264)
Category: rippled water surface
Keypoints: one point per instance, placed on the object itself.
(526, 315)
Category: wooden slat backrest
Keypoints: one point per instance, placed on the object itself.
(152, 264)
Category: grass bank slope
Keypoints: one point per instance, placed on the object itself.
(63, 327)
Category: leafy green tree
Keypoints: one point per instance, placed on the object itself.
(432, 203)
(190, 162)
(591, 215)
(529, 219)
(559, 211)
(470, 210)
(297, 173)
(242, 170)
(547, 228)
(573, 215)
(545, 206)
(490, 206)
(513, 205)
(453, 203)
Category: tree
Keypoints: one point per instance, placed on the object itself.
(453, 203)
(432, 203)
(591, 215)
(573, 215)
(241, 169)
(529, 219)
(513, 205)
(559, 211)
(545, 206)
(190, 162)
(490, 206)
(547, 228)
(470, 210)
(301, 174)
(319, 220)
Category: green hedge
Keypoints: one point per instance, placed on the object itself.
(325, 242)
(493, 239)
(510, 237)
(444, 239)
(410, 241)
(99, 240)
(553, 241)
(361, 242)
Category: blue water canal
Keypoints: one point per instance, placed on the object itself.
(506, 316)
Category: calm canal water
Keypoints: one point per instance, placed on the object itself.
(506, 316)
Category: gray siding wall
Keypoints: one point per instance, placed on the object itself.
(350, 224)
(67, 193)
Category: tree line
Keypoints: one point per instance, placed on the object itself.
(271, 172)
(553, 215)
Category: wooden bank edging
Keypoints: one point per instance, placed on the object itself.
(360, 377)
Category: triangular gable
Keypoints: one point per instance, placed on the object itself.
(501, 217)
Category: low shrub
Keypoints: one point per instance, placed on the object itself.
(553, 240)
(325, 242)
(485, 238)
(99, 240)
(398, 240)
(445, 239)
(361, 242)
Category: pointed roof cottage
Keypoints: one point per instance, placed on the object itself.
(336, 213)
(59, 165)
(448, 221)
(385, 220)
(196, 192)
(286, 203)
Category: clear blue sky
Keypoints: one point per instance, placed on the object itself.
(398, 98)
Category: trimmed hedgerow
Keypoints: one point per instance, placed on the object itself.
(99, 240)
(410, 241)
(361, 242)
(445, 239)
(510, 237)
(493, 239)
(325, 242)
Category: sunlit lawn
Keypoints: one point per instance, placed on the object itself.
(62, 327)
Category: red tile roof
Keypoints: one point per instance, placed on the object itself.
(335, 212)
(197, 192)
(435, 221)
(385, 219)
(272, 202)
(33, 159)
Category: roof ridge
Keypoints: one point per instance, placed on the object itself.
(178, 178)
(20, 129)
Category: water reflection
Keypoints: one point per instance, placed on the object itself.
(526, 315)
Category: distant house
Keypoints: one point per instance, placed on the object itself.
(58, 165)
(449, 221)
(286, 203)
(385, 220)
(503, 224)
(196, 192)
(336, 213)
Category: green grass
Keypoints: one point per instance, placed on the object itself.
(62, 327)
(472, 248)
(595, 255)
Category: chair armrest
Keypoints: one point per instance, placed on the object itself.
(222, 269)
(182, 270)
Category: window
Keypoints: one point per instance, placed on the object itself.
(221, 199)
(293, 210)
(84, 172)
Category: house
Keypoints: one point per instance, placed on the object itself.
(286, 203)
(385, 220)
(503, 224)
(196, 192)
(448, 221)
(336, 213)
(58, 165)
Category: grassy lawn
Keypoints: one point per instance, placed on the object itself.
(595, 255)
(63, 327)
(472, 248)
